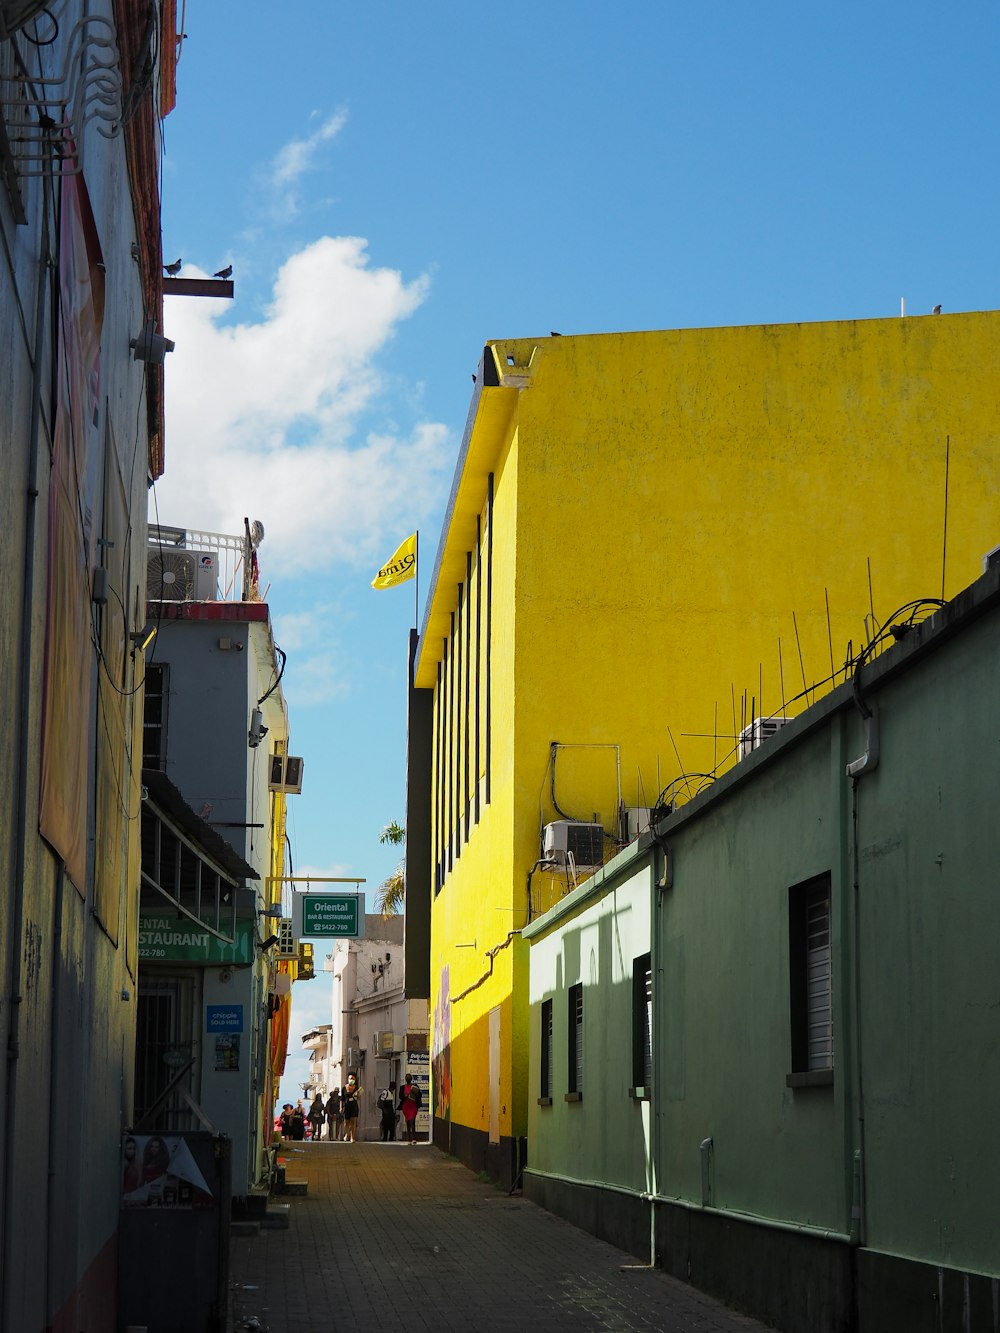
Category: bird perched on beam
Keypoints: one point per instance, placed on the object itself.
(174, 268)
(226, 272)
(936, 310)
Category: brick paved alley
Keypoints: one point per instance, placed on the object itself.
(391, 1237)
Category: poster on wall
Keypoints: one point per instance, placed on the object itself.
(158, 1171)
(227, 1054)
(418, 1067)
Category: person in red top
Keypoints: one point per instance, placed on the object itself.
(409, 1103)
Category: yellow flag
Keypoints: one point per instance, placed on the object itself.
(400, 566)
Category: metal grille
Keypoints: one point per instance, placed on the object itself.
(647, 1026)
(819, 992)
(154, 716)
(163, 1046)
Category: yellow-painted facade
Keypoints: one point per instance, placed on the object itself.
(653, 538)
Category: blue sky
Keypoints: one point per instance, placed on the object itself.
(396, 184)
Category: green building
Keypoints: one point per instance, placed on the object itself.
(765, 1038)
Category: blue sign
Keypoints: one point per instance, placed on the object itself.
(224, 1018)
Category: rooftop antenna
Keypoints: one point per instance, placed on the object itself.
(944, 543)
(781, 676)
(871, 601)
(829, 635)
(902, 307)
(802, 665)
(715, 738)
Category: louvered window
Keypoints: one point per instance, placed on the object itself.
(545, 1072)
(642, 1022)
(576, 1039)
(811, 976)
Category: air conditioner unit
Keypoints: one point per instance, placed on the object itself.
(388, 1043)
(288, 946)
(759, 730)
(355, 1059)
(635, 821)
(567, 838)
(286, 773)
(181, 576)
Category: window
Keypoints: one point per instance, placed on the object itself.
(545, 1071)
(575, 1079)
(642, 1024)
(810, 983)
(154, 717)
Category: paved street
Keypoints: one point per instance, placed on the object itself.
(391, 1237)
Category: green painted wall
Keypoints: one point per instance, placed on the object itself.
(916, 994)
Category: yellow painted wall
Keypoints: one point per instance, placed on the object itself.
(669, 506)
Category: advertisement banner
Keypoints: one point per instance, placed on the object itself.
(159, 1171)
(169, 939)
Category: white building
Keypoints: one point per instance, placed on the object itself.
(375, 1032)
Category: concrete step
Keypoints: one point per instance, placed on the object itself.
(250, 1207)
(277, 1216)
(244, 1228)
(296, 1187)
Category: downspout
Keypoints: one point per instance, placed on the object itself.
(662, 880)
(850, 957)
(15, 896)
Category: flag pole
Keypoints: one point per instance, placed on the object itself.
(416, 582)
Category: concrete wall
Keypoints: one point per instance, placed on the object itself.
(682, 525)
(865, 1201)
(220, 661)
(67, 952)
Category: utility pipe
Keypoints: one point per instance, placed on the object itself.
(15, 895)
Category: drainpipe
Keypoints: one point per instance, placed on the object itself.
(848, 1061)
(661, 881)
(15, 895)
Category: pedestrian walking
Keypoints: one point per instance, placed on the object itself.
(317, 1115)
(298, 1123)
(352, 1106)
(410, 1100)
(334, 1116)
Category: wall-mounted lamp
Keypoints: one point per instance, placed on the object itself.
(266, 944)
(142, 638)
(150, 346)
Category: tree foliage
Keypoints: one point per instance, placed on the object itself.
(390, 894)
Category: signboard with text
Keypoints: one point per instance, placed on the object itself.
(328, 916)
(173, 939)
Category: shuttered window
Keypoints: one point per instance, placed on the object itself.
(642, 1022)
(575, 1080)
(545, 1071)
(810, 976)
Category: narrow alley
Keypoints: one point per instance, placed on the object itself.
(390, 1237)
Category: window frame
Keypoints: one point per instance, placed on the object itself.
(545, 1055)
(810, 982)
(574, 1043)
(642, 1027)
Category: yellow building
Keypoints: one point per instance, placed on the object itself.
(653, 540)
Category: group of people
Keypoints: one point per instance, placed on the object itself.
(410, 1101)
(340, 1112)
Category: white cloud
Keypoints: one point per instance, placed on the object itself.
(297, 157)
(262, 418)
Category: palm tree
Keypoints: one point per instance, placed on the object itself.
(390, 893)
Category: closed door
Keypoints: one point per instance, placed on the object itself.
(495, 1075)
